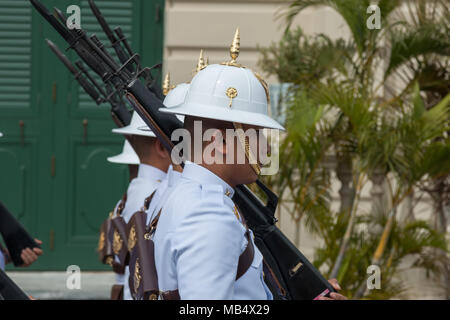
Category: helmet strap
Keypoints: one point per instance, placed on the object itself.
(248, 152)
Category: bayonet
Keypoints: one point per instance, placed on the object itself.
(77, 74)
(60, 16)
(52, 20)
(81, 67)
(122, 38)
(115, 43)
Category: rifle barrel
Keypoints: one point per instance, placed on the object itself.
(62, 57)
(52, 20)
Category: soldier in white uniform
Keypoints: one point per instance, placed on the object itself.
(201, 235)
(175, 97)
(154, 161)
(128, 157)
(154, 164)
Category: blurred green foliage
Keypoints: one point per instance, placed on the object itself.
(375, 105)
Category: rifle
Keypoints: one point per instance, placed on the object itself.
(15, 236)
(119, 112)
(295, 273)
(9, 290)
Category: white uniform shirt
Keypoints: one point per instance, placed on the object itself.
(199, 239)
(146, 181)
(161, 192)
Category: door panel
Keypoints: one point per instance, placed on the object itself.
(16, 181)
(53, 169)
(15, 55)
(24, 119)
(92, 187)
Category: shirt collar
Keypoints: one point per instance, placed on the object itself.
(204, 176)
(173, 177)
(150, 172)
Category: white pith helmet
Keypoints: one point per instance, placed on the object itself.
(173, 98)
(133, 127)
(176, 96)
(128, 155)
(227, 93)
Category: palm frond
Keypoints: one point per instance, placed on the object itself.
(411, 43)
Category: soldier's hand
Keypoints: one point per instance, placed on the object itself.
(31, 255)
(334, 295)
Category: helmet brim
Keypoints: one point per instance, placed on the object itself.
(124, 159)
(134, 131)
(219, 113)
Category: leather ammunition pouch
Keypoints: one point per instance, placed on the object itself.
(117, 292)
(119, 236)
(104, 249)
(143, 277)
(114, 233)
(143, 280)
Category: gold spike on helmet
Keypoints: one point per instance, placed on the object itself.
(234, 53)
(201, 64)
(166, 84)
(234, 50)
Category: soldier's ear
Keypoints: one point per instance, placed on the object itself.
(162, 152)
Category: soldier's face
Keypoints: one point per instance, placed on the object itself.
(257, 147)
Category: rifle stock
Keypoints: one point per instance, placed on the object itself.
(296, 274)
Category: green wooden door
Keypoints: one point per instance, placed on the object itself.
(25, 121)
(53, 168)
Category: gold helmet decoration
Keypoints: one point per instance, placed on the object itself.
(234, 53)
(201, 64)
(166, 84)
(234, 50)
